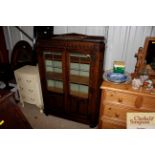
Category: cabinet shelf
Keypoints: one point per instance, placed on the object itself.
(54, 76)
(55, 89)
(79, 79)
(79, 94)
(80, 60)
(53, 57)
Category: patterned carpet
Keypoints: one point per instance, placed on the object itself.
(41, 121)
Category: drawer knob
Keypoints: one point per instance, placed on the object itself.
(32, 99)
(111, 95)
(138, 102)
(19, 79)
(116, 115)
(23, 96)
(29, 81)
(109, 108)
(30, 90)
(21, 88)
(120, 100)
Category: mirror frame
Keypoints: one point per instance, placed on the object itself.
(141, 58)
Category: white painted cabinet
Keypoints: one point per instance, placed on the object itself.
(28, 84)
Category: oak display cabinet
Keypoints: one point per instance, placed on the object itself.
(71, 68)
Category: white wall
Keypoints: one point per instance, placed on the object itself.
(122, 42)
(13, 35)
(89, 30)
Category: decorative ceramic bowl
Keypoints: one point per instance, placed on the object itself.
(116, 77)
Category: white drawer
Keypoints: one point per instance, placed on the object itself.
(29, 99)
(19, 79)
(28, 83)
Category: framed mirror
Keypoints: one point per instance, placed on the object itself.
(146, 58)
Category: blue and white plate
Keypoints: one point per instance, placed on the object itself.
(116, 77)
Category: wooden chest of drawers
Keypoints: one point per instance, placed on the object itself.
(118, 100)
(28, 83)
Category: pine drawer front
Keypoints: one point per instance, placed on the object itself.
(120, 98)
(116, 112)
(108, 123)
(148, 103)
(139, 102)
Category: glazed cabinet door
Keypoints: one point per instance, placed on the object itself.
(70, 67)
(54, 70)
(79, 75)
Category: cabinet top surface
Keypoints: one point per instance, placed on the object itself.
(28, 69)
(127, 88)
(76, 37)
